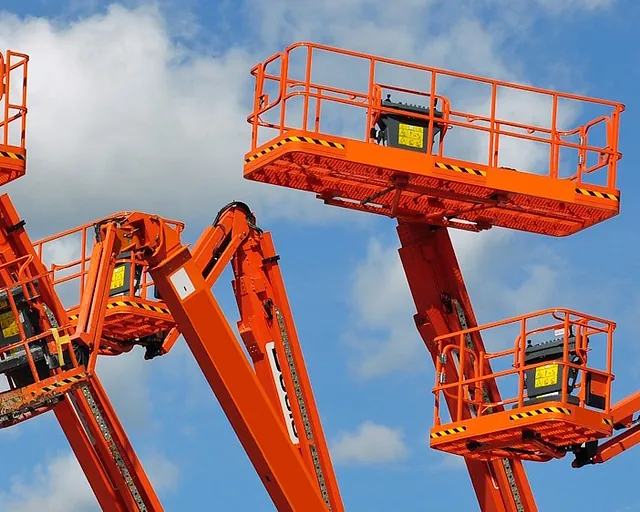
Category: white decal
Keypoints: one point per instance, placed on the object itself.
(282, 391)
(182, 283)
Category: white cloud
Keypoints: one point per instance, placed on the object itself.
(124, 378)
(370, 444)
(384, 335)
(59, 485)
(123, 117)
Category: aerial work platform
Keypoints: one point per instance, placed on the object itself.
(13, 115)
(561, 400)
(542, 174)
(134, 313)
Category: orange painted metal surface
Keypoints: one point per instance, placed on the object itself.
(46, 368)
(293, 464)
(528, 425)
(133, 315)
(443, 306)
(308, 123)
(13, 115)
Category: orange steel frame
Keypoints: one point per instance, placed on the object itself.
(432, 189)
(269, 402)
(435, 186)
(513, 426)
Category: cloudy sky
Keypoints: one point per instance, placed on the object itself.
(140, 105)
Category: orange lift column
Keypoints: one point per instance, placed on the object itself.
(443, 306)
(392, 159)
(267, 329)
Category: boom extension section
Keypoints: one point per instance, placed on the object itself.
(270, 406)
(443, 305)
(48, 367)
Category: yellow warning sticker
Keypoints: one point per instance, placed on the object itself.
(412, 136)
(117, 279)
(8, 324)
(546, 375)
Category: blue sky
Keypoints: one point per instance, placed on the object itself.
(110, 85)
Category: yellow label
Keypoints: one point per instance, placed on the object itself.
(117, 279)
(8, 324)
(412, 136)
(546, 375)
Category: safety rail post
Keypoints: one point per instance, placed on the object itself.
(609, 363)
(521, 362)
(317, 110)
(7, 95)
(582, 155)
(432, 117)
(84, 259)
(371, 98)
(565, 359)
(492, 124)
(284, 82)
(257, 104)
(307, 84)
(554, 149)
(23, 130)
(613, 143)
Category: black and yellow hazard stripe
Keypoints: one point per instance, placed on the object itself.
(537, 412)
(448, 432)
(15, 156)
(63, 382)
(458, 168)
(593, 193)
(310, 140)
(607, 421)
(131, 304)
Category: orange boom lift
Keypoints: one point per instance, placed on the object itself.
(391, 158)
(126, 263)
(138, 284)
(147, 289)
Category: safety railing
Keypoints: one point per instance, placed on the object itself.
(558, 355)
(68, 255)
(28, 353)
(321, 89)
(13, 98)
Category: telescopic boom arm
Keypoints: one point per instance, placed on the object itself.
(443, 305)
(270, 405)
